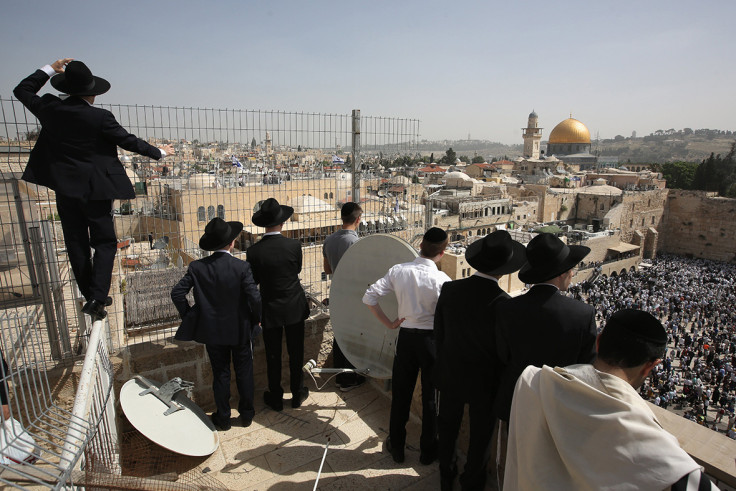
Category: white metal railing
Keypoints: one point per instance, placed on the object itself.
(62, 440)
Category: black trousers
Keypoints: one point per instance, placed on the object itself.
(241, 357)
(89, 224)
(415, 352)
(340, 361)
(482, 421)
(272, 337)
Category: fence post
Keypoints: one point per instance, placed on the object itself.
(57, 287)
(24, 237)
(48, 304)
(356, 156)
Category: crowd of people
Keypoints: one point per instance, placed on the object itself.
(694, 299)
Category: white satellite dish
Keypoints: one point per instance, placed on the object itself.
(366, 343)
(185, 430)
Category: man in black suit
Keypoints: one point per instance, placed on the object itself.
(277, 261)
(76, 156)
(225, 317)
(541, 327)
(467, 368)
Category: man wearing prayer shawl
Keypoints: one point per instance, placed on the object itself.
(585, 426)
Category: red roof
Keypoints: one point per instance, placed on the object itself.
(431, 168)
(483, 165)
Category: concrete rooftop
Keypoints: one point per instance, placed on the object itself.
(283, 450)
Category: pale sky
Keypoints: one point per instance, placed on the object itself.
(461, 67)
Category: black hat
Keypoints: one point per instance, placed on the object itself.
(638, 324)
(77, 79)
(271, 213)
(496, 254)
(219, 233)
(435, 235)
(547, 257)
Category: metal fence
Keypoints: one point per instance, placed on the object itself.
(226, 163)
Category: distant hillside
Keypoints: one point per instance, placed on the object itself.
(662, 146)
(484, 148)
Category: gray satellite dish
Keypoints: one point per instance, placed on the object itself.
(186, 429)
(366, 342)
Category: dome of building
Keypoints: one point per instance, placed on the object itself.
(570, 131)
(533, 114)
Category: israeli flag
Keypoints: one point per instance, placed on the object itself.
(236, 162)
(337, 160)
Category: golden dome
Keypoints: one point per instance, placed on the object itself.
(570, 131)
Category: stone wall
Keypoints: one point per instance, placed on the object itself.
(699, 224)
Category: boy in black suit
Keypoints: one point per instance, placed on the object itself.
(76, 155)
(467, 368)
(225, 317)
(277, 261)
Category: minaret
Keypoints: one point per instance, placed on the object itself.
(532, 137)
(269, 147)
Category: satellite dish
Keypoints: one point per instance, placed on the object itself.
(186, 430)
(366, 342)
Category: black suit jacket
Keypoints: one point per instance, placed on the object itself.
(467, 366)
(76, 153)
(227, 305)
(541, 327)
(277, 261)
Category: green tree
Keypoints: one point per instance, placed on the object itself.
(717, 174)
(465, 158)
(449, 158)
(478, 160)
(679, 175)
(253, 143)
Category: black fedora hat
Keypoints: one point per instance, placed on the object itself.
(77, 79)
(271, 213)
(547, 257)
(496, 254)
(219, 233)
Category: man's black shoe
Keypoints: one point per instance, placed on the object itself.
(427, 457)
(95, 309)
(297, 399)
(108, 301)
(396, 453)
(220, 425)
(272, 402)
(246, 421)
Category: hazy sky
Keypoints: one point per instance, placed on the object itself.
(461, 67)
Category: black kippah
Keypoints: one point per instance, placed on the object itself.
(435, 235)
(638, 324)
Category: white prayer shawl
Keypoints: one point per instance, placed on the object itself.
(579, 428)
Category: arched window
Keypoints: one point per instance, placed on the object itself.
(332, 195)
(326, 195)
(200, 214)
(221, 211)
(210, 212)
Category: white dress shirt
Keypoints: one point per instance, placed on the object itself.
(417, 287)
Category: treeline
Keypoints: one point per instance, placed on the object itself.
(715, 173)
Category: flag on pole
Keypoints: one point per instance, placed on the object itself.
(337, 160)
(396, 206)
(236, 162)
